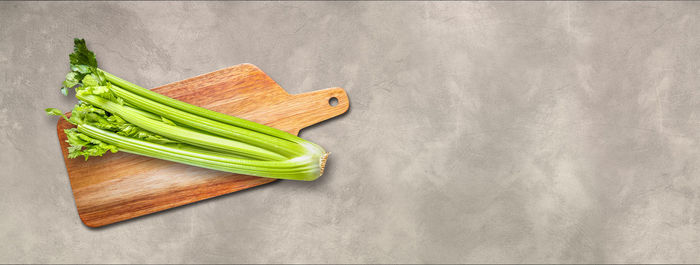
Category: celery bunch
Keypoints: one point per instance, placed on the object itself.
(115, 115)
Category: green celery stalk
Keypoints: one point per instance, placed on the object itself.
(284, 147)
(116, 115)
(232, 120)
(180, 133)
(301, 168)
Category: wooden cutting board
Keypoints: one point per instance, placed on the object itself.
(122, 186)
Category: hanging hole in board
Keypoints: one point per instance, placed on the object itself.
(333, 102)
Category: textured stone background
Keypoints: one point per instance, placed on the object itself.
(478, 132)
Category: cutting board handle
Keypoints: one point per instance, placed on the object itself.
(316, 105)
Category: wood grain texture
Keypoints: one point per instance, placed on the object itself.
(122, 186)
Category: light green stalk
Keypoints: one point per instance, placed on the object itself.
(301, 168)
(116, 115)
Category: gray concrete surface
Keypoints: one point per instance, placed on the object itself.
(478, 132)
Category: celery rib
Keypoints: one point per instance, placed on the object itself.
(304, 170)
(116, 115)
(284, 147)
(180, 133)
(232, 120)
